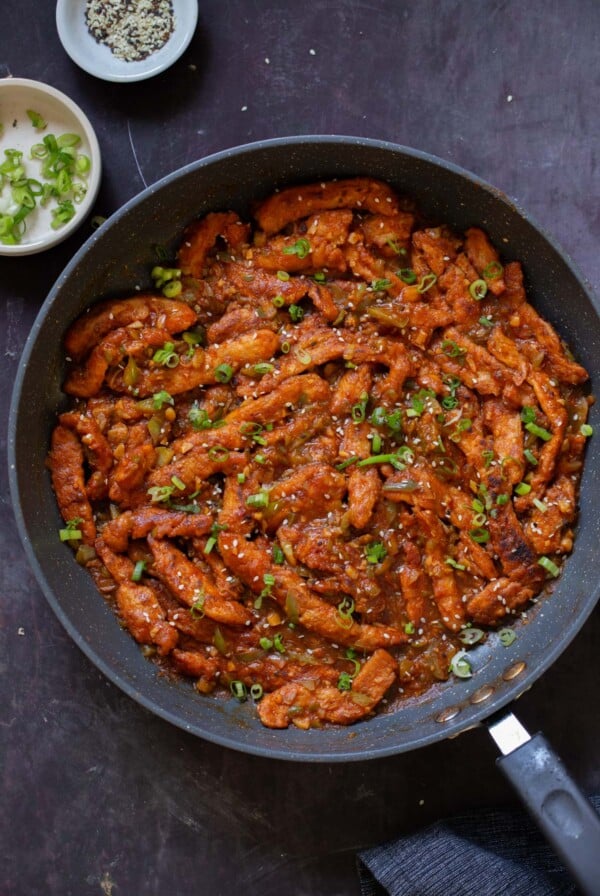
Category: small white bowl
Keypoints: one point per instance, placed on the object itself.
(62, 115)
(99, 60)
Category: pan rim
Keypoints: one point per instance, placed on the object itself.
(281, 751)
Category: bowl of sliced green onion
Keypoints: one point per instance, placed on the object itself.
(50, 166)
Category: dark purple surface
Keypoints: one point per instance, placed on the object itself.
(98, 796)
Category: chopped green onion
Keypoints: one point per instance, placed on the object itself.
(266, 643)
(380, 285)
(359, 410)
(283, 276)
(418, 402)
(239, 691)
(277, 554)
(278, 643)
(218, 453)
(378, 417)
(251, 428)
(394, 420)
(462, 426)
(538, 431)
(523, 488)
(346, 463)
(530, 456)
(197, 608)
(71, 532)
(376, 443)
(160, 398)
(426, 282)
(83, 164)
(219, 641)
(493, 270)
(263, 368)
(480, 535)
(37, 120)
(586, 430)
(478, 290)
(488, 457)
(303, 356)
(278, 301)
(549, 566)
(296, 313)
(285, 347)
(486, 321)
(528, 414)
(256, 692)
(166, 356)
(395, 247)
(199, 418)
(301, 248)
(543, 508)
(172, 289)
(452, 562)
(449, 402)
(375, 552)
(502, 499)
(138, 570)
(63, 213)
(393, 459)
(160, 493)
(407, 275)
(507, 636)
(260, 499)
(450, 348)
(223, 373)
(471, 635)
(460, 665)
(345, 681)
(345, 610)
(409, 628)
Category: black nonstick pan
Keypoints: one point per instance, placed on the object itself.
(119, 256)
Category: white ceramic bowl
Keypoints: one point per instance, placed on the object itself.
(62, 115)
(100, 61)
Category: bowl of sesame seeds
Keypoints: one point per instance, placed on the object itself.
(125, 40)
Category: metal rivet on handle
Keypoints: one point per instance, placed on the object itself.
(514, 670)
(448, 714)
(482, 694)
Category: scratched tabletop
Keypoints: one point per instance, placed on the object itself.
(99, 796)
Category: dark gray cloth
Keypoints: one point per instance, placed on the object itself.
(487, 853)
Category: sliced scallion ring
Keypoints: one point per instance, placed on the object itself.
(460, 665)
(507, 636)
(549, 565)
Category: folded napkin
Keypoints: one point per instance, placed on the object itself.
(487, 853)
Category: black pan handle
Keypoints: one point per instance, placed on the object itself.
(561, 810)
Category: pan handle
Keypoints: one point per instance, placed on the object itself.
(566, 817)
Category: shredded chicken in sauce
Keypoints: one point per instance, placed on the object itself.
(343, 440)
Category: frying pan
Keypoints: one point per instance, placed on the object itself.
(119, 256)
